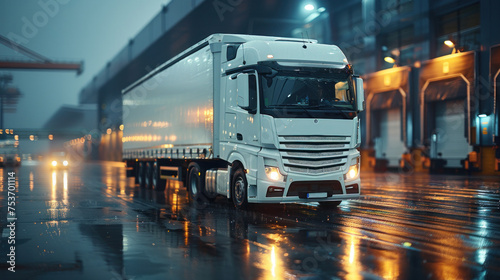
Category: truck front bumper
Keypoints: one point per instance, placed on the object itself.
(300, 187)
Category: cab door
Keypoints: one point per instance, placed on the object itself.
(242, 119)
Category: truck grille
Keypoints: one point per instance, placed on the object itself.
(314, 154)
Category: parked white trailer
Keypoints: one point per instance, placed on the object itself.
(256, 119)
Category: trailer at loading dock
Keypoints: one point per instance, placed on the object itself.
(446, 88)
(387, 95)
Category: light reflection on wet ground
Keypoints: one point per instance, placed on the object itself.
(92, 222)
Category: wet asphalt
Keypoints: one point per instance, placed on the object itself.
(91, 222)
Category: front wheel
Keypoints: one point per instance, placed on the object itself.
(239, 187)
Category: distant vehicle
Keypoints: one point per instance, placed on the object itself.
(255, 119)
(59, 160)
(9, 153)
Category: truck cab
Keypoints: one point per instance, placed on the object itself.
(291, 121)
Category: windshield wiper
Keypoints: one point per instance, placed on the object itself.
(339, 109)
(292, 106)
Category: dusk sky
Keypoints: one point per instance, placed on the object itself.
(91, 31)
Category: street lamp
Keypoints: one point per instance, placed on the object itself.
(389, 59)
(309, 7)
(449, 43)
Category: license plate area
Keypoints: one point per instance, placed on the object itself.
(317, 195)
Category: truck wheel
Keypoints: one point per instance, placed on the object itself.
(196, 182)
(329, 204)
(148, 174)
(239, 187)
(156, 182)
(141, 175)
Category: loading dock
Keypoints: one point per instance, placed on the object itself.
(446, 85)
(386, 116)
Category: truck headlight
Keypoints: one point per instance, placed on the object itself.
(65, 163)
(273, 173)
(54, 163)
(353, 171)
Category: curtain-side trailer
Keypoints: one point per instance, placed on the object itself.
(256, 119)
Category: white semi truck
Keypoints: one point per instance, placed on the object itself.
(255, 119)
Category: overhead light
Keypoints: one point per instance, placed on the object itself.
(449, 43)
(309, 7)
(482, 115)
(389, 59)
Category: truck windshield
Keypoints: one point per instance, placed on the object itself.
(289, 94)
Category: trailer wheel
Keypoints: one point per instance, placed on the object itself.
(239, 187)
(195, 182)
(329, 204)
(141, 175)
(156, 182)
(148, 174)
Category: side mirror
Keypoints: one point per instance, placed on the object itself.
(360, 94)
(242, 89)
(247, 92)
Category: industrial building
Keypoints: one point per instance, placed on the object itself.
(431, 70)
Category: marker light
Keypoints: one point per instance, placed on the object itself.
(54, 163)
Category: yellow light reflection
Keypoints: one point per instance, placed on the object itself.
(270, 262)
(273, 262)
(351, 252)
(32, 181)
(1, 178)
(186, 233)
(65, 188)
(54, 184)
(351, 257)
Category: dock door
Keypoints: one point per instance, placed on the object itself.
(445, 97)
(387, 93)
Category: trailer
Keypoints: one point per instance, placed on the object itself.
(256, 119)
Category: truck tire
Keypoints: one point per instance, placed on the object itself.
(195, 182)
(141, 174)
(329, 204)
(148, 174)
(239, 189)
(156, 182)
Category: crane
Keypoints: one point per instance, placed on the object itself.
(41, 62)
